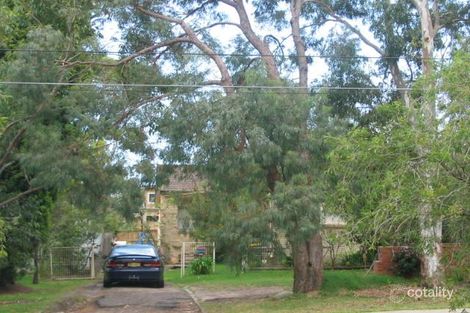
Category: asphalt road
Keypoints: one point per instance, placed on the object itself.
(132, 299)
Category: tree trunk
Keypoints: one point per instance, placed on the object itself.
(431, 229)
(431, 234)
(295, 8)
(36, 263)
(308, 264)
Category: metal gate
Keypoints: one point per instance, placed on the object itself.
(71, 263)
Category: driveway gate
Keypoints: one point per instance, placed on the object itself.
(71, 262)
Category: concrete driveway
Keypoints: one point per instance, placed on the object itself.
(129, 299)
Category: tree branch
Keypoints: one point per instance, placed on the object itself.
(295, 8)
(12, 145)
(192, 38)
(217, 24)
(20, 195)
(131, 57)
(136, 106)
(5, 166)
(191, 12)
(329, 10)
(258, 43)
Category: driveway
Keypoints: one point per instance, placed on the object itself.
(128, 299)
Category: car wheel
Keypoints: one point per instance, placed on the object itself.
(106, 284)
(160, 284)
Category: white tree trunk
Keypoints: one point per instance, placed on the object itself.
(431, 228)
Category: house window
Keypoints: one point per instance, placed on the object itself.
(152, 218)
(151, 197)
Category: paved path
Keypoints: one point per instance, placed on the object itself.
(131, 299)
(203, 294)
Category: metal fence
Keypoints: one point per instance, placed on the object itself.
(265, 256)
(69, 263)
(194, 250)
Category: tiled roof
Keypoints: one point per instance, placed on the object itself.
(180, 181)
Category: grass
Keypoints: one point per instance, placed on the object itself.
(225, 278)
(40, 297)
(342, 291)
(321, 304)
(334, 281)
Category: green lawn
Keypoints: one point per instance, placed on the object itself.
(42, 295)
(342, 291)
(224, 277)
(334, 281)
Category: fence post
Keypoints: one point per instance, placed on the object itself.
(50, 263)
(213, 257)
(92, 263)
(182, 261)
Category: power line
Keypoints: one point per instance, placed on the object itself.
(288, 56)
(111, 85)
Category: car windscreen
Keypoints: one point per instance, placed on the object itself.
(129, 250)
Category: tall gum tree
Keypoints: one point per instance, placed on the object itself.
(188, 24)
(403, 29)
(181, 32)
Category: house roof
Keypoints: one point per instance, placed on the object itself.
(181, 181)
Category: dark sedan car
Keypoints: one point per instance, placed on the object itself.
(139, 263)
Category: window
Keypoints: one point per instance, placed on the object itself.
(151, 197)
(152, 218)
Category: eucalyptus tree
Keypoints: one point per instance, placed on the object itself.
(180, 34)
(412, 31)
(57, 129)
(380, 187)
(180, 42)
(405, 36)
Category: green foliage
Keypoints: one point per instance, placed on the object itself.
(55, 158)
(377, 179)
(381, 169)
(28, 227)
(258, 153)
(406, 263)
(357, 258)
(201, 266)
(299, 209)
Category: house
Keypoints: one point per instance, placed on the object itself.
(167, 224)
(161, 218)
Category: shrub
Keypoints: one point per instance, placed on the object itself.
(288, 261)
(201, 266)
(406, 263)
(356, 259)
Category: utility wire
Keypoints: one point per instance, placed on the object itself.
(100, 85)
(288, 56)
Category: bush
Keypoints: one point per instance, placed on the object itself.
(356, 259)
(288, 261)
(201, 266)
(406, 263)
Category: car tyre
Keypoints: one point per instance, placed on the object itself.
(160, 284)
(106, 284)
